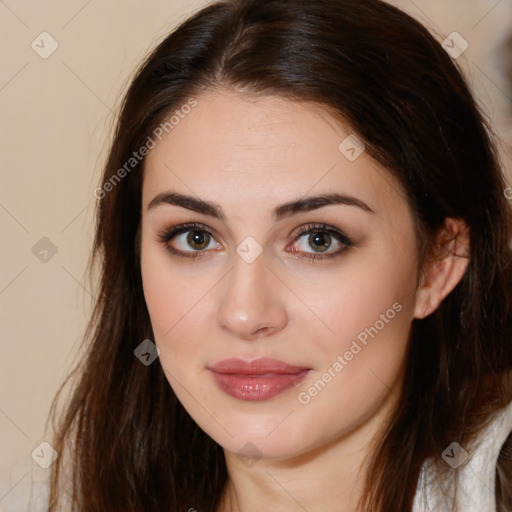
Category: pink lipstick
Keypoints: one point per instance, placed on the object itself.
(256, 380)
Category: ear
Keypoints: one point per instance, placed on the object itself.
(444, 267)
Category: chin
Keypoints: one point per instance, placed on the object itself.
(264, 437)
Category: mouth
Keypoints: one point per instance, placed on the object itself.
(257, 380)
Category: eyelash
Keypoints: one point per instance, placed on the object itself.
(167, 235)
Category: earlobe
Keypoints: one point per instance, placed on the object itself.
(443, 270)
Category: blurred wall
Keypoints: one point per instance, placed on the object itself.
(64, 64)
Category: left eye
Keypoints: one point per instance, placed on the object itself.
(321, 239)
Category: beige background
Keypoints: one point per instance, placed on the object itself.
(55, 128)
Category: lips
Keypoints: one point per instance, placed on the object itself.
(257, 380)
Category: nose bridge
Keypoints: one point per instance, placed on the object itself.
(250, 301)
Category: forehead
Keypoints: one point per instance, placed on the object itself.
(249, 152)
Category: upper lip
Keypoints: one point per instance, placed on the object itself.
(255, 367)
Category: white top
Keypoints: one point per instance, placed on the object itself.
(475, 492)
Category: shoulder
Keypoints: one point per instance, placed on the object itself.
(475, 487)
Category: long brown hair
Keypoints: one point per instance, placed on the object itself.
(131, 445)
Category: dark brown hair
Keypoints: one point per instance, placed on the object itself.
(131, 445)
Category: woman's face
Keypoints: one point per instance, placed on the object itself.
(325, 288)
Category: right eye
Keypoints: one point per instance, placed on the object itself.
(192, 239)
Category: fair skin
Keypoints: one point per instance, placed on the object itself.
(249, 156)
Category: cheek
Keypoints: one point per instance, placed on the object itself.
(365, 292)
(369, 308)
(165, 291)
(177, 302)
(161, 293)
(367, 311)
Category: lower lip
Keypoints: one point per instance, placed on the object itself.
(257, 388)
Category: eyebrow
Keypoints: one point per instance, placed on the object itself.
(302, 204)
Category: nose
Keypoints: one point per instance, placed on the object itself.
(251, 304)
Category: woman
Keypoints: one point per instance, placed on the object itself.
(306, 277)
